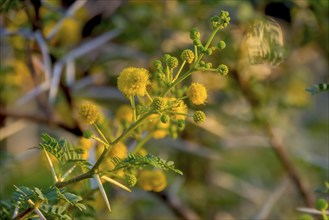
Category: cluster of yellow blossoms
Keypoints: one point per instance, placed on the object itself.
(161, 109)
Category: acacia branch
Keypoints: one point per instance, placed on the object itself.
(41, 120)
(176, 205)
(283, 157)
(277, 146)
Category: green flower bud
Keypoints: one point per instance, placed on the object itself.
(194, 34)
(321, 204)
(222, 69)
(197, 43)
(166, 58)
(188, 56)
(87, 134)
(208, 65)
(202, 63)
(157, 64)
(209, 51)
(173, 131)
(164, 118)
(158, 104)
(131, 179)
(214, 20)
(181, 124)
(225, 19)
(161, 76)
(221, 45)
(224, 14)
(199, 117)
(172, 62)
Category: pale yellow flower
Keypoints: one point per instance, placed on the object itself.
(133, 81)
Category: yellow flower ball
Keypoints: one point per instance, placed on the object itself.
(119, 150)
(152, 180)
(159, 129)
(125, 114)
(142, 152)
(89, 113)
(179, 109)
(197, 93)
(70, 32)
(85, 144)
(133, 81)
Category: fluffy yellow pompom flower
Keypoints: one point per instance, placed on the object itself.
(160, 129)
(89, 113)
(85, 144)
(152, 180)
(119, 150)
(197, 93)
(125, 113)
(179, 108)
(133, 81)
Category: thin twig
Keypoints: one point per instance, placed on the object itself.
(283, 157)
(74, 54)
(177, 206)
(45, 53)
(41, 120)
(73, 8)
(277, 145)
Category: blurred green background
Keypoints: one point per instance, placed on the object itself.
(230, 168)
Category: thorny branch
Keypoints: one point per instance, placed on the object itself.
(277, 146)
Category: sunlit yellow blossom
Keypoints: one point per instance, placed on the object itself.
(133, 81)
(142, 152)
(159, 129)
(179, 109)
(152, 180)
(125, 113)
(85, 144)
(89, 113)
(70, 32)
(119, 150)
(197, 93)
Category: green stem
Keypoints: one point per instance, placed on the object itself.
(179, 71)
(142, 142)
(101, 141)
(93, 170)
(206, 69)
(149, 97)
(324, 214)
(168, 73)
(211, 38)
(133, 105)
(195, 54)
(101, 133)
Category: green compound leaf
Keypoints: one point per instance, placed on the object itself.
(73, 200)
(61, 149)
(55, 212)
(136, 160)
(5, 210)
(21, 195)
